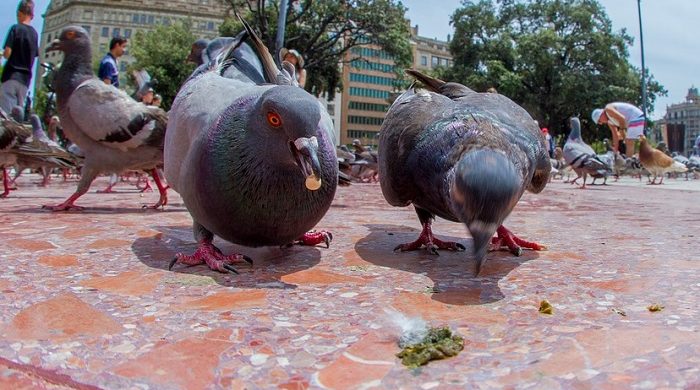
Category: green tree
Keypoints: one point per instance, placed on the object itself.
(557, 58)
(326, 31)
(162, 54)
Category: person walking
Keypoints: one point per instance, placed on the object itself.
(109, 66)
(20, 49)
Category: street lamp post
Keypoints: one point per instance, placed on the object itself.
(281, 24)
(644, 78)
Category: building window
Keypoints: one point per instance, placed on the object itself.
(105, 32)
(115, 32)
(210, 26)
(434, 61)
(127, 33)
(87, 28)
(144, 19)
(135, 18)
(166, 21)
(87, 15)
(151, 19)
(424, 60)
(48, 38)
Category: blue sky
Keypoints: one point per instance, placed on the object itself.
(671, 46)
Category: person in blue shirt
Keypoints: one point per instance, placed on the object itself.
(109, 66)
(20, 49)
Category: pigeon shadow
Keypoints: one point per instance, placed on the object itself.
(101, 210)
(270, 264)
(452, 272)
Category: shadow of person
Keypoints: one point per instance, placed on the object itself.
(269, 263)
(452, 272)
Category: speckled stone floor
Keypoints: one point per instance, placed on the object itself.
(87, 300)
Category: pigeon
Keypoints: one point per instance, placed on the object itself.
(255, 163)
(41, 153)
(12, 133)
(685, 161)
(114, 132)
(463, 156)
(581, 156)
(657, 162)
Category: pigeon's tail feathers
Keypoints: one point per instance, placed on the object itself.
(431, 83)
(270, 69)
(678, 167)
(225, 57)
(450, 90)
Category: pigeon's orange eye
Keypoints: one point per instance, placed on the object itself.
(274, 119)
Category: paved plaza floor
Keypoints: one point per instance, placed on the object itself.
(88, 302)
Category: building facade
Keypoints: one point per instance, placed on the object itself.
(370, 84)
(681, 124)
(105, 19)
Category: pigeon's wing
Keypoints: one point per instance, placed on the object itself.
(12, 132)
(524, 143)
(410, 117)
(109, 116)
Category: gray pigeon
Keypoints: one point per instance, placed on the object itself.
(41, 153)
(581, 156)
(255, 164)
(463, 156)
(19, 147)
(115, 132)
(12, 133)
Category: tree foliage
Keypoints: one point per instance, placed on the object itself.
(557, 58)
(162, 53)
(325, 31)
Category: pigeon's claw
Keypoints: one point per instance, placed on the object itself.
(514, 244)
(431, 243)
(210, 255)
(67, 205)
(162, 189)
(313, 238)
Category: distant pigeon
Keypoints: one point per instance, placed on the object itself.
(114, 132)
(255, 163)
(18, 147)
(463, 156)
(657, 162)
(41, 153)
(582, 157)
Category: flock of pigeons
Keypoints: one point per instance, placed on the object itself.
(253, 157)
(579, 157)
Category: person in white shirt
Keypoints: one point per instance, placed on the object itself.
(626, 122)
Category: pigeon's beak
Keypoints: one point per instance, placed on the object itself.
(305, 151)
(487, 187)
(55, 45)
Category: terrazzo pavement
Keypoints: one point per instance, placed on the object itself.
(87, 301)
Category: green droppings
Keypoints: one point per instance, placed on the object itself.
(438, 344)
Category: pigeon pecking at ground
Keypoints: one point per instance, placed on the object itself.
(114, 132)
(463, 156)
(582, 157)
(255, 163)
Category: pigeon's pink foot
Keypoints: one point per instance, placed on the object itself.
(431, 243)
(5, 183)
(210, 255)
(146, 188)
(67, 205)
(162, 189)
(314, 238)
(514, 244)
(107, 190)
